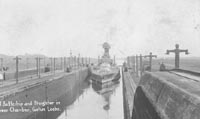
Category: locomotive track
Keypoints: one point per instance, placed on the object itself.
(191, 75)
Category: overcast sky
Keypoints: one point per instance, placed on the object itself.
(53, 27)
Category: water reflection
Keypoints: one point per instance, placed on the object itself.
(66, 100)
(105, 90)
(88, 100)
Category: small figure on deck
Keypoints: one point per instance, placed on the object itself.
(162, 67)
(4, 72)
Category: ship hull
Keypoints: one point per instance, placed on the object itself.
(105, 78)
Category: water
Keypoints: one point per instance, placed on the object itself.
(89, 101)
(97, 103)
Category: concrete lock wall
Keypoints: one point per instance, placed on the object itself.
(46, 91)
(156, 98)
(24, 73)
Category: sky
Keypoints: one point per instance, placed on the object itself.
(54, 27)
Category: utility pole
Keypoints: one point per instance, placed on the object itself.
(114, 60)
(61, 63)
(51, 65)
(38, 66)
(141, 65)
(98, 59)
(79, 60)
(64, 64)
(68, 64)
(86, 62)
(82, 61)
(74, 61)
(70, 59)
(128, 61)
(27, 63)
(54, 65)
(177, 52)
(136, 65)
(133, 63)
(1, 64)
(17, 68)
(150, 59)
(44, 62)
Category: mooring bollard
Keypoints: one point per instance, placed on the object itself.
(177, 52)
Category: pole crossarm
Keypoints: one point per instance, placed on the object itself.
(150, 59)
(177, 52)
(150, 55)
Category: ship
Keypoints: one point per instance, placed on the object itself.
(106, 70)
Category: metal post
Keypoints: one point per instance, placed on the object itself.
(141, 65)
(54, 65)
(86, 61)
(75, 61)
(69, 61)
(133, 65)
(79, 60)
(82, 61)
(64, 63)
(150, 59)
(51, 67)
(17, 68)
(61, 63)
(27, 63)
(37, 63)
(44, 62)
(1, 64)
(98, 60)
(39, 67)
(137, 65)
(114, 60)
(177, 52)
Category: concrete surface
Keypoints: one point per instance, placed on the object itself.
(130, 82)
(162, 95)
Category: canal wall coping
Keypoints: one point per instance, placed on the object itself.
(172, 97)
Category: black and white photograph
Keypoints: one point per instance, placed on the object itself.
(99, 59)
